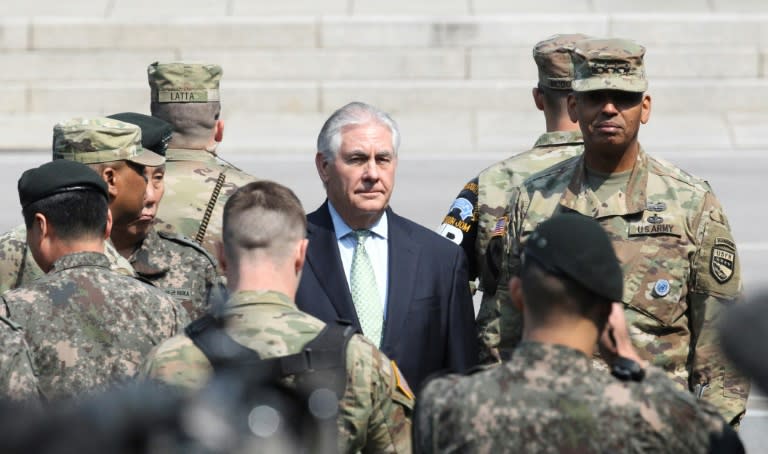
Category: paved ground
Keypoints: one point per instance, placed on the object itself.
(427, 183)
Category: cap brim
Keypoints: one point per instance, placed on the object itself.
(148, 158)
(610, 83)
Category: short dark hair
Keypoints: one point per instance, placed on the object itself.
(555, 100)
(74, 214)
(546, 292)
(262, 215)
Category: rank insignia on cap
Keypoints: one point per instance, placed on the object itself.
(661, 288)
(501, 227)
(402, 385)
(723, 261)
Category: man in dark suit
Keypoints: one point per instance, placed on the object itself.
(403, 285)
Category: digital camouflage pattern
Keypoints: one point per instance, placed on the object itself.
(476, 216)
(681, 270)
(184, 82)
(17, 379)
(101, 139)
(179, 267)
(18, 268)
(376, 408)
(548, 399)
(191, 178)
(609, 64)
(88, 327)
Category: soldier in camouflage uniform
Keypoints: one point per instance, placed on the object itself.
(172, 262)
(87, 326)
(679, 258)
(117, 167)
(263, 253)
(472, 219)
(17, 380)
(548, 398)
(186, 95)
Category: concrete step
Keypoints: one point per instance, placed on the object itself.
(454, 132)
(143, 8)
(175, 32)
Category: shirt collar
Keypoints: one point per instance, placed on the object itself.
(380, 228)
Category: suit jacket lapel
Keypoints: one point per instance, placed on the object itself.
(403, 260)
(323, 256)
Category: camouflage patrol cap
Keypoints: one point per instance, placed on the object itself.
(155, 133)
(577, 247)
(184, 82)
(609, 64)
(56, 177)
(553, 59)
(100, 139)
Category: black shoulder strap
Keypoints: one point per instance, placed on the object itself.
(220, 349)
(325, 355)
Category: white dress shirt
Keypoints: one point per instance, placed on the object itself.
(375, 245)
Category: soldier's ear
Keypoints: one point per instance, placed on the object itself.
(645, 115)
(301, 254)
(516, 293)
(572, 107)
(220, 256)
(108, 229)
(538, 98)
(219, 130)
(109, 174)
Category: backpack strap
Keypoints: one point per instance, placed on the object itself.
(221, 350)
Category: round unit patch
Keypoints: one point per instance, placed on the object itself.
(661, 288)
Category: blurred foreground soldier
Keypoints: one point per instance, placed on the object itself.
(87, 326)
(186, 95)
(403, 286)
(547, 398)
(262, 255)
(17, 380)
(115, 151)
(743, 336)
(172, 262)
(474, 218)
(681, 269)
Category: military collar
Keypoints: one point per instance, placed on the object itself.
(149, 259)
(558, 359)
(247, 298)
(558, 139)
(580, 198)
(187, 154)
(79, 259)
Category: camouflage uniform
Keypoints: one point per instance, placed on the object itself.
(191, 181)
(87, 326)
(197, 184)
(17, 380)
(18, 268)
(178, 266)
(376, 407)
(678, 258)
(548, 399)
(472, 220)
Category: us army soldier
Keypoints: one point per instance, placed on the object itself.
(474, 218)
(186, 95)
(263, 253)
(548, 398)
(681, 268)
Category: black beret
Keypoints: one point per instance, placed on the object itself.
(155, 133)
(56, 177)
(578, 248)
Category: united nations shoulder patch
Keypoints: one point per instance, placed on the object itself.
(723, 260)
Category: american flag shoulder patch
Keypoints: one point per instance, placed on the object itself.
(501, 226)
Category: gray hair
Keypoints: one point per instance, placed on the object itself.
(354, 113)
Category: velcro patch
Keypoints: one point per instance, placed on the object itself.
(201, 95)
(722, 262)
(655, 224)
(178, 292)
(501, 226)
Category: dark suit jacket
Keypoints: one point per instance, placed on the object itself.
(430, 323)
